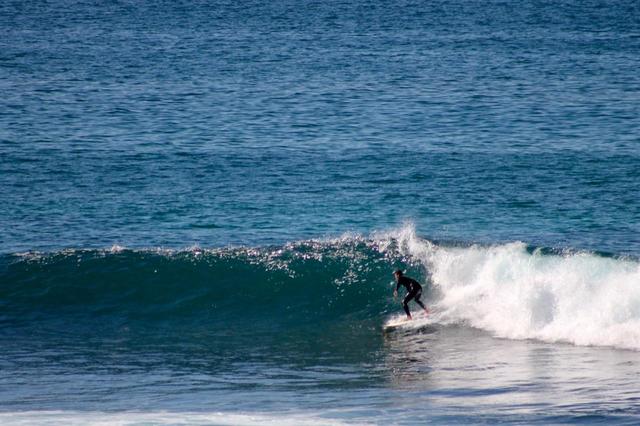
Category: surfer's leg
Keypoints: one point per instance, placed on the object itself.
(405, 303)
(417, 299)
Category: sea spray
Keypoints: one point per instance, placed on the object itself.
(517, 292)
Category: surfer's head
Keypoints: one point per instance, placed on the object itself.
(397, 273)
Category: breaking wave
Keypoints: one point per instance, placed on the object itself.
(511, 290)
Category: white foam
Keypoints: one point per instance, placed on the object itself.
(127, 418)
(581, 298)
(399, 321)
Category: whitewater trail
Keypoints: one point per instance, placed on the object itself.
(513, 292)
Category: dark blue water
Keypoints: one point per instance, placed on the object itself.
(179, 123)
(329, 143)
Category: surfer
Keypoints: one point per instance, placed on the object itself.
(414, 291)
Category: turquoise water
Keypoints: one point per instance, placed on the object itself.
(201, 205)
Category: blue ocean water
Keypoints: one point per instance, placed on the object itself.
(201, 204)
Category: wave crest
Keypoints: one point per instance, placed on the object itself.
(517, 292)
(511, 290)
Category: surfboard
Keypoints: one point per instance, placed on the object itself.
(395, 323)
(389, 328)
(400, 322)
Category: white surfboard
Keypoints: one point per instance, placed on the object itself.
(420, 319)
(394, 324)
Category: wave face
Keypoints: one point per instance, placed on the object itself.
(298, 283)
(511, 290)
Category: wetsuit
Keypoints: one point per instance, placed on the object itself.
(414, 291)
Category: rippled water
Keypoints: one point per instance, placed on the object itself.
(201, 203)
(439, 375)
(180, 123)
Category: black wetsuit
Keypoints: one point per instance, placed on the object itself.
(414, 291)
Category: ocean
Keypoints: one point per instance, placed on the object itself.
(202, 204)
